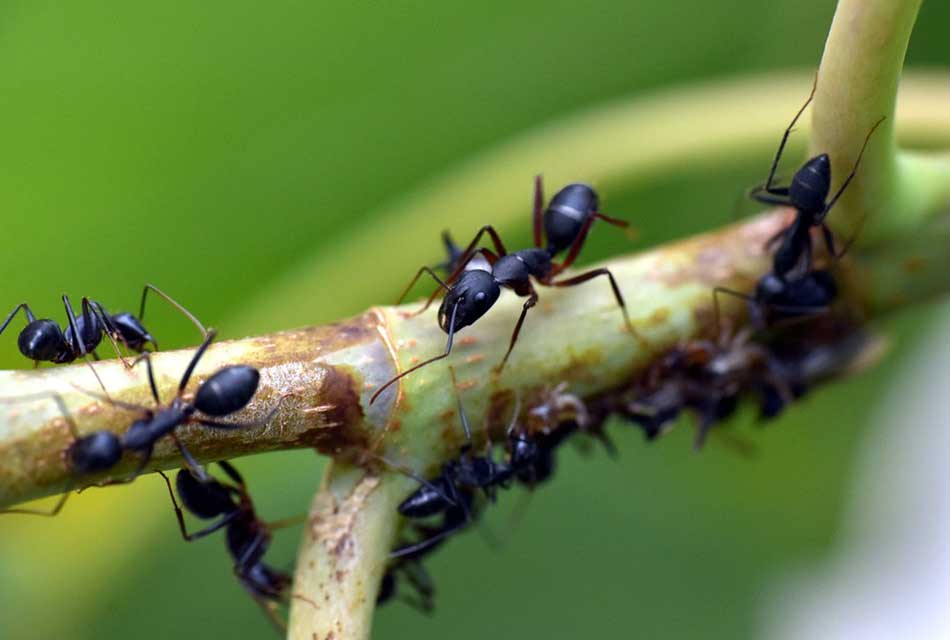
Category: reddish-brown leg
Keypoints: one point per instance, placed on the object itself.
(589, 275)
(465, 257)
(530, 302)
(575, 249)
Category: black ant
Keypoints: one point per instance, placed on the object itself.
(452, 492)
(470, 293)
(226, 391)
(127, 329)
(248, 537)
(92, 453)
(808, 195)
(42, 340)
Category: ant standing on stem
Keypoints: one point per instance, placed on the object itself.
(42, 340)
(227, 391)
(793, 287)
(471, 293)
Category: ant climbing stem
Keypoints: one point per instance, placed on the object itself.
(808, 194)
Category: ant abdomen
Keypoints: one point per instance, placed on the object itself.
(569, 209)
(205, 500)
(811, 184)
(42, 341)
(230, 389)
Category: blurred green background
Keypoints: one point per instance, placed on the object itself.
(212, 147)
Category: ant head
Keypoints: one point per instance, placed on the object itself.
(203, 499)
(41, 340)
(472, 295)
(133, 332)
(98, 451)
(228, 390)
(810, 185)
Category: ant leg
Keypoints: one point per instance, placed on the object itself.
(530, 302)
(422, 546)
(172, 302)
(26, 309)
(589, 275)
(229, 469)
(46, 514)
(78, 339)
(209, 337)
(854, 170)
(575, 248)
(788, 131)
(287, 522)
(414, 280)
(196, 469)
(190, 537)
(778, 196)
(110, 330)
(448, 350)
(617, 222)
(470, 250)
(731, 292)
(458, 400)
(151, 376)
(538, 210)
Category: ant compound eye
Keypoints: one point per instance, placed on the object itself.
(480, 296)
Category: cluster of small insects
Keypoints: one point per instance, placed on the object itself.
(789, 343)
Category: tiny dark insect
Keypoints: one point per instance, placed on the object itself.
(470, 293)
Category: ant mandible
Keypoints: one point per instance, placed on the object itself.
(248, 537)
(808, 195)
(470, 293)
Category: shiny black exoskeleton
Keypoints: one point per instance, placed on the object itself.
(248, 537)
(470, 293)
(808, 195)
(42, 340)
(226, 391)
(452, 492)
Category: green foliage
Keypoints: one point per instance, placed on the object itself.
(212, 147)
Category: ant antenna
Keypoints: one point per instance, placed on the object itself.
(458, 400)
(448, 350)
(172, 302)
